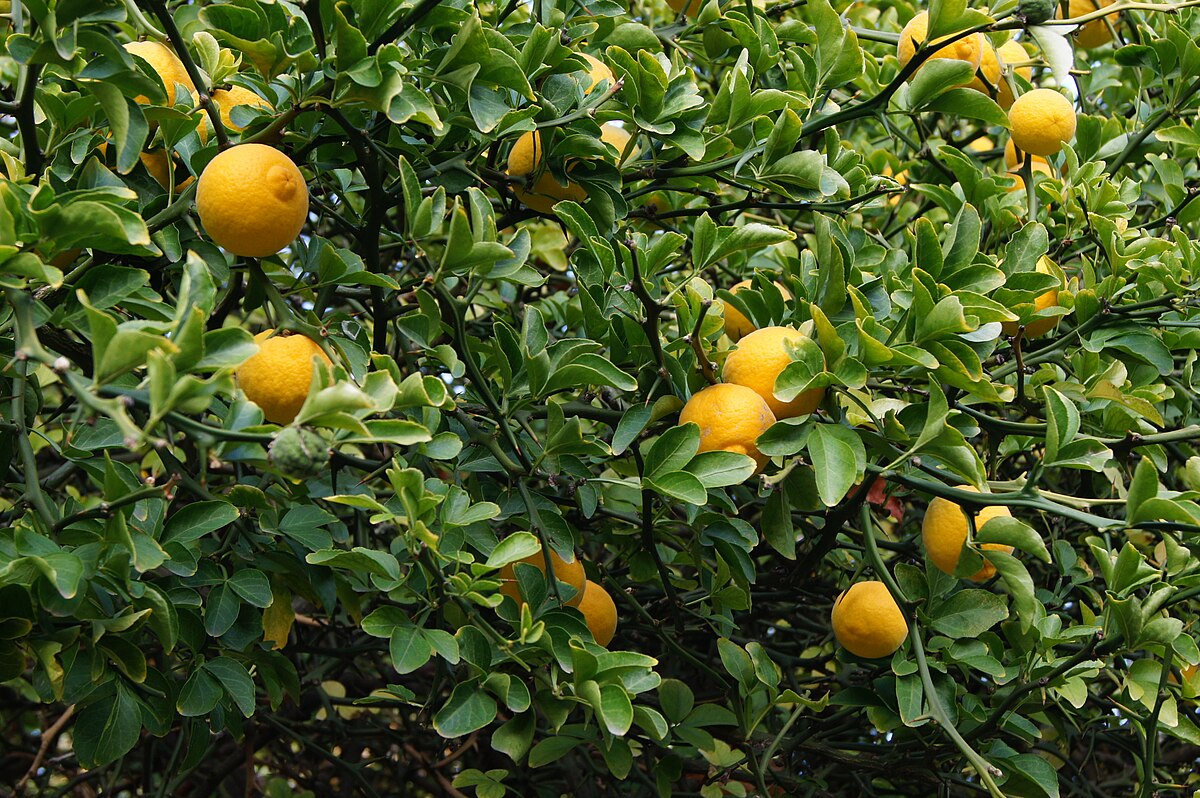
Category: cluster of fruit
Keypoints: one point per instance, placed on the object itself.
(251, 198)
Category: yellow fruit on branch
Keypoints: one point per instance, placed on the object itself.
(1014, 158)
(228, 99)
(1013, 57)
(988, 79)
(598, 72)
(730, 417)
(278, 377)
(1042, 121)
(736, 324)
(252, 200)
(600, 612)
(542, 190)
(1049, 299)
(165, 64)
(1094, 33)
(757, 362)
(968, 49)
(867, 622)
(570, 573)
(944, 533)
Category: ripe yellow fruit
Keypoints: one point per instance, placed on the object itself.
(158, 164)
(569, 572)
(1094, 33)
(600, 612)
(690, 8)
(165, 64)
(1014, 159)
(527, 159)
(736, 324)
(867, 622)
(1049, 299)
(944, 533)
(277, 378)
(1042, 121)
(757, 362)
(228, 99)
(597, 71)
(1012, 56)
(730, 417)
(912, 37)
(252, 200)
(989, 68)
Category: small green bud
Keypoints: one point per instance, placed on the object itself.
(298, 453)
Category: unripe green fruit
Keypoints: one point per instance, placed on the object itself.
(1036, 12)
(298, 453)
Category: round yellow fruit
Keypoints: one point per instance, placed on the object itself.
(159, 165)
(1012, 56)
(570, 573)
(1094, 33)
(989, 69)
(867, 622)
(228, 99)
(600, 612)
(730, 417)
(968, 48)
(944, 533)
(166, 65)
(1014, 159)
(527, 159)
(252, 200)
(1049, 299)
(598, 71)
(1042, 121)
(736, 324)
(757, 362)
(277, 378)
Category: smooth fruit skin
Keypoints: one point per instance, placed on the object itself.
(598, 71)
(737, 326)
(730, 417)
(1042, 121)
(165, 64)
(1094, 33)
(569, 572)
(969, 48)
(228, 99)
(1014, 159)
(252, 200)
(157, 163)
(944, 533)
(600, 613)
(278, 377)
(1049, 299)
(989, 67)
(528, 156)
(757, 362)
(1014, 56)
(867, 622)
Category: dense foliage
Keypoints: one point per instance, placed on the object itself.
(190, 607)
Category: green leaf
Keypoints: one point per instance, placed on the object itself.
(719, 469)
(676, 699)
(966, 103)
(468, 709)
(108, 729)
(616, 710)
(935, 77)
(516, 546)
(969, 613)
(838, 456)
(236, 681)
(673, 450)
(409, 649)
(680, 485)
(197, 520)
(1142, 487)
(200, 694)
(252, 585)
(1013, 532)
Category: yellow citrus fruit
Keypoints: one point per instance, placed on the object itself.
(527, 159)
(1094, 33)
(277, 378)
(912, 37)
(252, 200)
(597, 71)
(981, 144)
(736, 324)
(228, 99)
(1049, 299)
(1014, 158)
(867, 622)
(166, 65)
(600, 612)
(1042, 121)
(569, 572)
(690, 8)
(944, 533)
(757, 362)
(730, 417)
(989, 69)
(1012, 56)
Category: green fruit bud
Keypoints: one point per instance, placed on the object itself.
(298, 453)
(1035, 12)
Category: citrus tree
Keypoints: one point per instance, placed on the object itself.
(570, 398)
